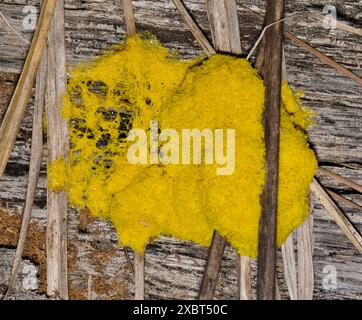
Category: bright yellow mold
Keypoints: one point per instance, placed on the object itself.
(142, 81)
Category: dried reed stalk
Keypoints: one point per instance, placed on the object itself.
(302, 289)
(212, 268)
(305, 260)
(337, 215)
(346, 72)
(18, 103)
(34, 166)
(244, 278)
(290, 269)
(139, 267)
(58, 147)
(129, 17)
(89, 287)
(272, 77)
(193, 27)
(338, 197)
(288, 254)
(342, 180)
(340, 25)
(224, 25)
(128, 259)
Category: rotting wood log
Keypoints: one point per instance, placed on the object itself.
(58, 147)
(18, 103)
(272, 79)
(346, 72)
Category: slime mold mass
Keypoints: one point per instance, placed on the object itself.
(141, 81)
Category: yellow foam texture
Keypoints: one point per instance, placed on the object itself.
(142, 81)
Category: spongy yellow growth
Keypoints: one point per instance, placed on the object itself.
(58, 175)
(142, 81)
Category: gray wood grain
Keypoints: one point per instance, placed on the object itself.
(173, 268)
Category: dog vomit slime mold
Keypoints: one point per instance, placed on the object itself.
(141, 81)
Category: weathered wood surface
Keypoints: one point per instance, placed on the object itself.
(173, 268)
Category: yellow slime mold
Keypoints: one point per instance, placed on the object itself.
(142, 81)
